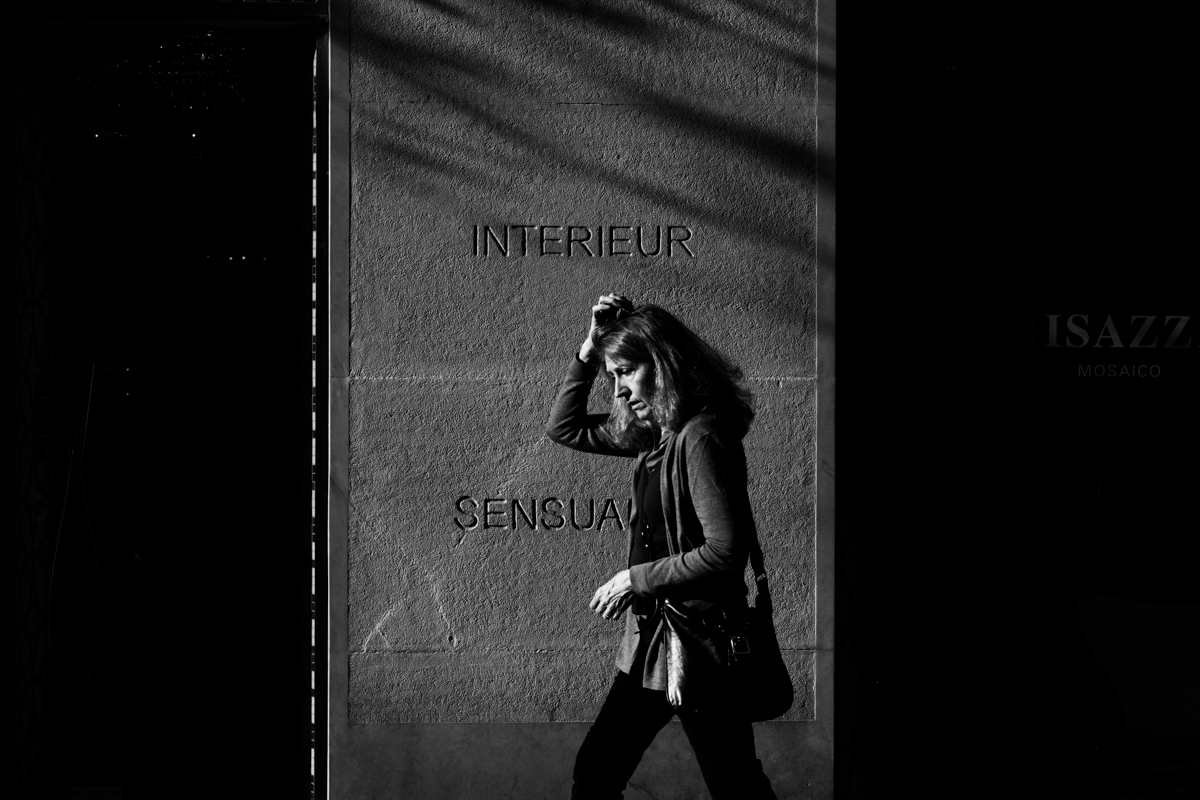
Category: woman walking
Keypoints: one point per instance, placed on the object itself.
(679, 409)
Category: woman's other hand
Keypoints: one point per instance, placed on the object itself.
(604, 312)
(611, 599)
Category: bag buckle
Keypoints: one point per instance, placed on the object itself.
(739, 645)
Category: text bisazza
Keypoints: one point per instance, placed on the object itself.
(583, 241)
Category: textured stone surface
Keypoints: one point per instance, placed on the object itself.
(576, 50)
(424, 175)
(508, 685)
(453, 762)
(694, 119)
(508, 603)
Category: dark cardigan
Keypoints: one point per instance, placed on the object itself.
(705, 507)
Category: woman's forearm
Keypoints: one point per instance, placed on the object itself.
(725, 524)
(570, 425)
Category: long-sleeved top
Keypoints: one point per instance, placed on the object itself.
(650, 535)
(705, 506)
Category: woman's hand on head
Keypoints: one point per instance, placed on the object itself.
(611, 599)
(604, 312)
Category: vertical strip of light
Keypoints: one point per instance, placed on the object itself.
(312, 666)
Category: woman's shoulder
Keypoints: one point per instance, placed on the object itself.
(707, 425)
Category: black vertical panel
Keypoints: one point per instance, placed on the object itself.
(1001, 165)
(180, 408)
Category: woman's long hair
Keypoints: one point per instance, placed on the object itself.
(690, 376)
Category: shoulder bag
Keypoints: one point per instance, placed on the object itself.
(736, 653)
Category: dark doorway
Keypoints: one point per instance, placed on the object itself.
(1008, 497)
(165, 295)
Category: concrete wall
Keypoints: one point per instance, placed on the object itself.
(503, 164)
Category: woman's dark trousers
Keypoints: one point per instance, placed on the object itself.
(628, 722)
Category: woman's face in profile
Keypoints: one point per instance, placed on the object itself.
(633, 383)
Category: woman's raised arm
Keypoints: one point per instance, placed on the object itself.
(570, 425)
